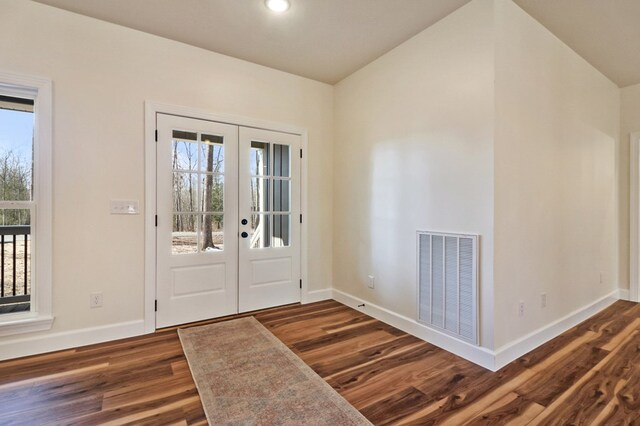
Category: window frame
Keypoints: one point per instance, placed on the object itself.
(40, 317)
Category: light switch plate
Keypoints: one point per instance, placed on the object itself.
(125, 207)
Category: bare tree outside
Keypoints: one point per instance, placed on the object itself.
(184, 158)
(15, 185)
(213, 196)
(198, 188)
(16, 171)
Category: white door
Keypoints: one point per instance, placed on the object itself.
(197, 214)
(228, 219)
(269, 214)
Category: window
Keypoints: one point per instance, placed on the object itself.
(16, 197)
(25, 204)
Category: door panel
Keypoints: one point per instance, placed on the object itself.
(197, 232)
(269, 208)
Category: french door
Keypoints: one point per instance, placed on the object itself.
(269, 252)
(227, 238)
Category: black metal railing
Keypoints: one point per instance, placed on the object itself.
(15, 288)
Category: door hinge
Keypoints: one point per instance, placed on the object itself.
(300, 152)
(156, 135)
(156, 305)
(300, 282)
(300, 218)
(156, 220)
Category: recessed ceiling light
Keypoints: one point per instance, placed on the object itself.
(278, 5)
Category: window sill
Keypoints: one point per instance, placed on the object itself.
(20, 323)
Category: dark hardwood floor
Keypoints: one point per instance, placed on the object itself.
(589, 375)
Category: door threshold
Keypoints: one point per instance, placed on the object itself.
(224, 318)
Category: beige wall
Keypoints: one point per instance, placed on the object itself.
(557, 130)
(414, 151)
(629, 123)
(102, 74)
(483, 123)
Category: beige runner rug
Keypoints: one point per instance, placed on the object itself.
(246, 376)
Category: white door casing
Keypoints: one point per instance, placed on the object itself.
(634, 217)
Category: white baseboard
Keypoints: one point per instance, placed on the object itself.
(476, 354)
(25, 346)
(33, 345)
(514, 350)
(492, 360)
(316, 296)
(623, 294)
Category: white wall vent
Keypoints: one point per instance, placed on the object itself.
(448, 283)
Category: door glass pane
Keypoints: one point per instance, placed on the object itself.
(281, 162)
(212, 232)
(212, 193)
(184, 238)
(259, 194)
(281, 195)
(185, 192)
(259, 159)
(281, 230)
(198, 187)
(259, 231)
(184, 155)
(211, 154)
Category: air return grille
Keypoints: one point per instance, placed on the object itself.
(447, 283)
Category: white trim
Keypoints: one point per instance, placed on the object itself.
(41, 90)
(634, 217)
(316, 296)
(26, 346)
(237, 120)
(514, 350)
(149, 218)
(492, 360)
(623, 294)
(18, 324)
(476, 354)
(305, 294)
(153, 108)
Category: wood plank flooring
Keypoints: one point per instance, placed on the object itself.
(589, 375)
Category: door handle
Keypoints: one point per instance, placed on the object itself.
(244, 235)
(244, 221)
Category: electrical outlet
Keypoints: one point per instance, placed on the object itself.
(372, 281)
(521, 309)
(95, 300)
(543, 300)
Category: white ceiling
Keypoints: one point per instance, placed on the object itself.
(327, 40)
(604, 32)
